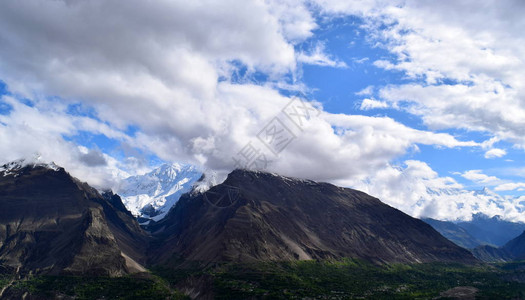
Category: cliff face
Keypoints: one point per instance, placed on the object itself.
(52, 223)
(256, 216)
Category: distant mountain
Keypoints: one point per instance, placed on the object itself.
(457, 234)
(51, 223)
(492, 230)
(257, 216)
(511, 251)
(516, 247)
(150, 196)
(481, 230)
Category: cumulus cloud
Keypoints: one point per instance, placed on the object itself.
(478, 177)
(465, 60)
(40, 130)
(496, 152)
(367, 104)
(152, 66)
(318, 57)
(366, 91)
(520, 186)
(149, 66)
(419, 191)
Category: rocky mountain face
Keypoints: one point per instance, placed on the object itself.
(51, 223)
(256, 216)
(150, 196)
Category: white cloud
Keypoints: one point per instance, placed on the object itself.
(295, 18)
(478, 177)
(360, 60)
(366, 91)
(466, 59)
(367, 104)
(496, 152)
(165, 68)
(419, 191)
(500, 185)
(318, 56)
(510, 186)
(28, 131)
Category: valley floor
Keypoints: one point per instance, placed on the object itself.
(347, 279)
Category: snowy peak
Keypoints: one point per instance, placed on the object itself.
(170, 171)
(150, 196)
(15, 166)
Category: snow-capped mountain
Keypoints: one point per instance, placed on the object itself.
(14, 166)
(151, 195)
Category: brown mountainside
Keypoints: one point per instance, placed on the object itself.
(256, 216)
(51, 223)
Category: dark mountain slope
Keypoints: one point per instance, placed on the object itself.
(516, 247)
(52, 223)
(256, 216)
(512, 251)
(489, 253)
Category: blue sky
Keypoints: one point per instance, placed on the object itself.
(418, 103)
(338, 89)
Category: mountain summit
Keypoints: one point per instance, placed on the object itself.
(150, 196)
(257, 216)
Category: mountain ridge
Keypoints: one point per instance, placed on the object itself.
(51, 223)
(254, 216)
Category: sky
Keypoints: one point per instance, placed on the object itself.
(419, 103)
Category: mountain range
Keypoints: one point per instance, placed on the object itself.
(481, 230)
(150, 196)
(51, 223)
(256, 233)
